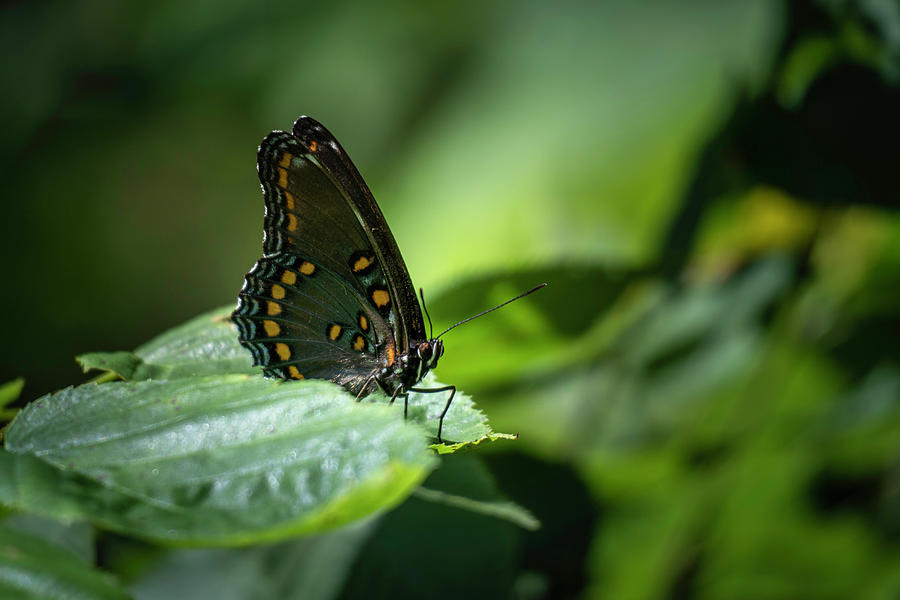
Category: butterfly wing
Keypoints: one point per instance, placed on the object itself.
(331, 297)
(389, 267)
(301, 320)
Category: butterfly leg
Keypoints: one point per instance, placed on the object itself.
(365, 386)
(452, 390)
(395, 394)
(399, 392)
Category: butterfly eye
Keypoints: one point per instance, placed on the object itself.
(430, 352)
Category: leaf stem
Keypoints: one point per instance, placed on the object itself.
(507, 511)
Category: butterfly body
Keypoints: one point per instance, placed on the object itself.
(410, 367)
(331, 297)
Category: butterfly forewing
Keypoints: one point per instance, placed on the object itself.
(306, 213)
(331, 157)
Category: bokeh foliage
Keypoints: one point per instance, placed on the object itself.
(708, 391)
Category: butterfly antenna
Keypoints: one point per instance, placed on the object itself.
(481, 314)
(430, 328)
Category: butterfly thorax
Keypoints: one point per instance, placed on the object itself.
(410, 367)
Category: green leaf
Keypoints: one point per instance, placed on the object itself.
(428, 545)
(78, 538)
(462, 423)
(10, 391)
(28, 483)
(311, 568)
(489, 437)
(124, 364)
(532, 335)
(208, 345)
(205, 345)
(465, 426)
(214, 460)
(33, 568)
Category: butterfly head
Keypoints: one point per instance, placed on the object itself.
(429, 352)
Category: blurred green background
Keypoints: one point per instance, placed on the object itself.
(708, 392)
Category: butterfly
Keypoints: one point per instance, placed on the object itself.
(331, 298)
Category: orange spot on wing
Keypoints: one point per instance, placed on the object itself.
(271, 328)
(282, 178)
(334, 332)
(307, 268)
(363, 323)
(313, 145)
(361, 263)
(380, 298)
(273, 308)
(295, 373)
(283, 351)
(292, 222)
(289, 201)
(359, 342)
(390, 354)
(288, 277)
(278, 291)
(286, 159)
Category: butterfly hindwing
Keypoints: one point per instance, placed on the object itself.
(301, 320)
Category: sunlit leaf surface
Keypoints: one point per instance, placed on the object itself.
(221, 459)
